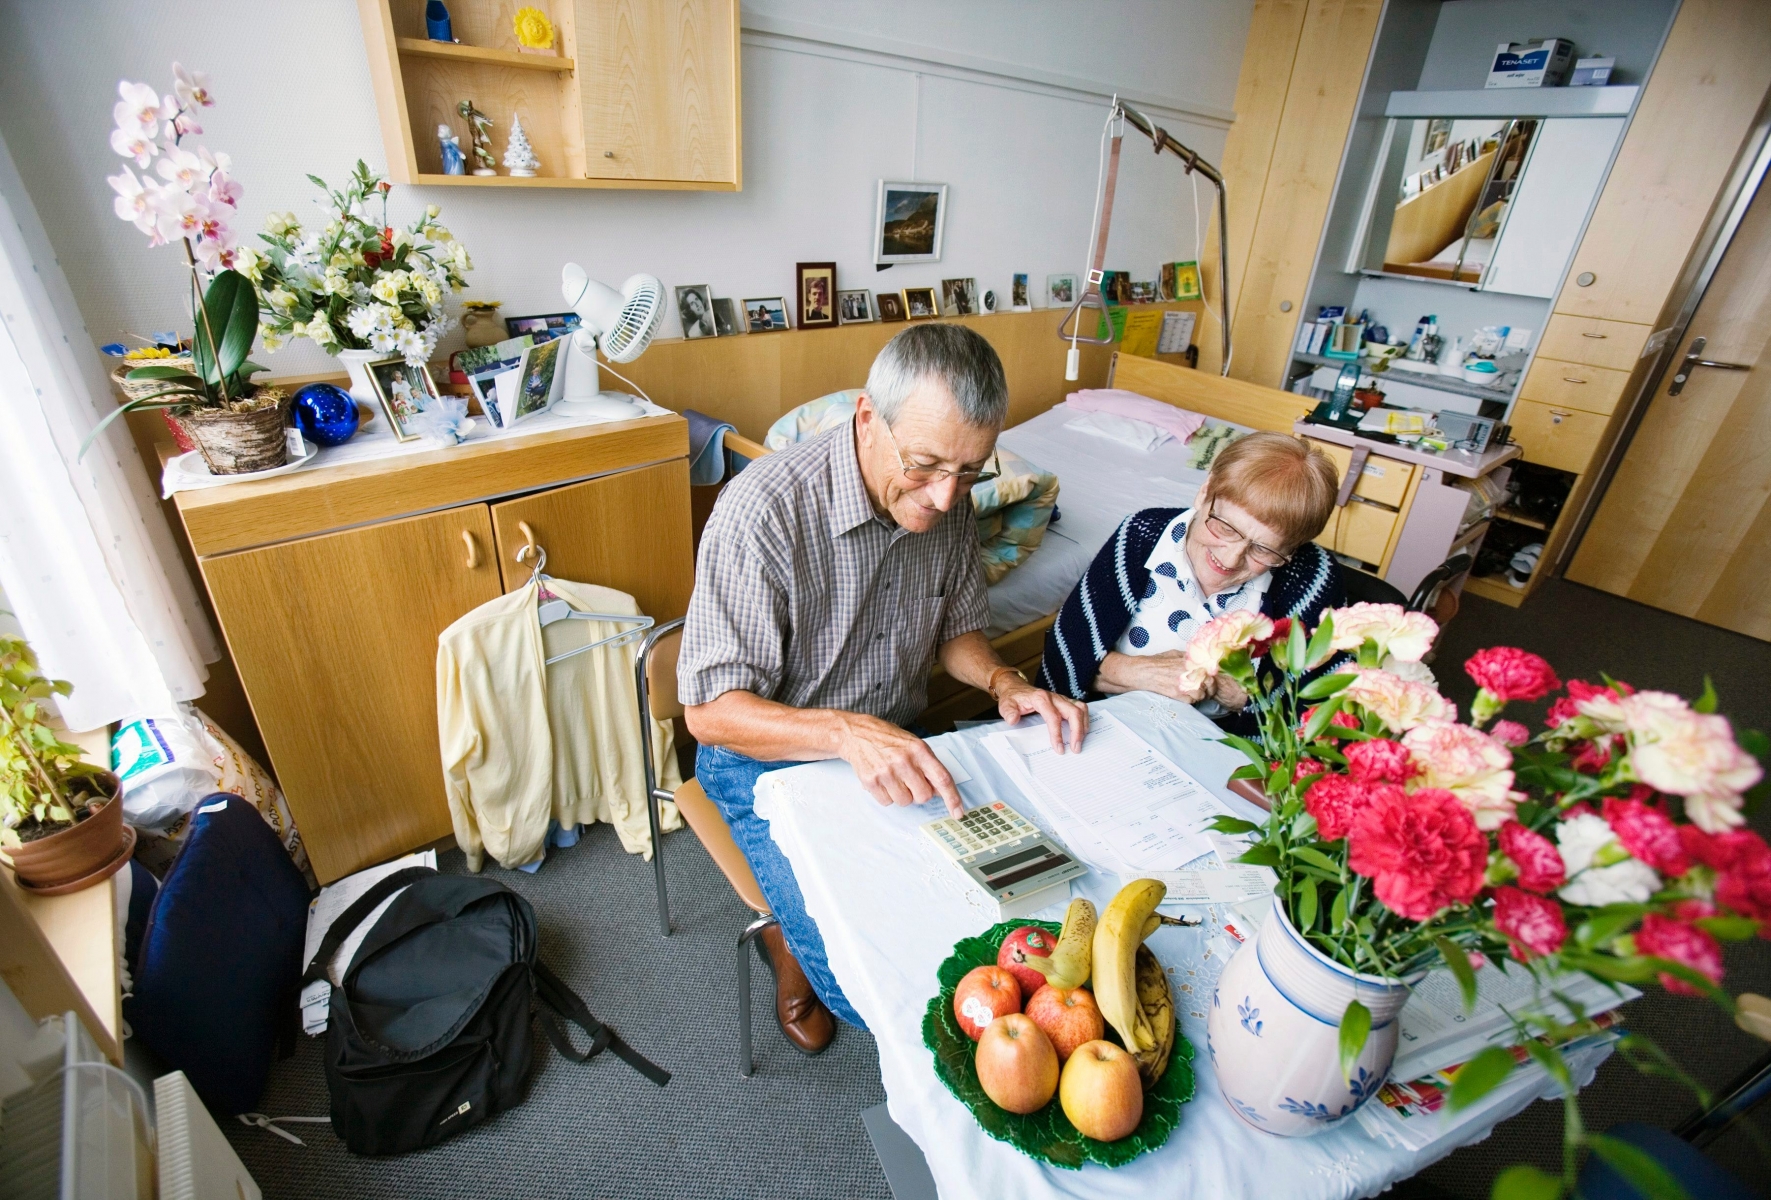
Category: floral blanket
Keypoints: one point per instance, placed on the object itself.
(1013, 509)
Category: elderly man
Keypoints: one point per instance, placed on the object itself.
(832, 576)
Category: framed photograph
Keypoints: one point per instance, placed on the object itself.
(1060, 290)
(891, 306)
(920, 304)
(534, 385)
(484, 387)
(404, 392)
(1143, 291)
(854, 306)
(816, 284)
(908, 219)
(1018, 298)
(1116, 287)
(766, 313)
(542, 328)
(1180, 281)
(694, 304)
(959, 297)
(725, 317)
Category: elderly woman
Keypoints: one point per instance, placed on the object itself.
(1244, 545)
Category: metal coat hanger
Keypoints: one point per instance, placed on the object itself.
(553, 609)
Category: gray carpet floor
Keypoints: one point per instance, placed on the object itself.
(794, 1128)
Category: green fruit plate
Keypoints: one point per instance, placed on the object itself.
(1046, 1135)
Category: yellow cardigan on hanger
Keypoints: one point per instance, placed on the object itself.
(524, 742)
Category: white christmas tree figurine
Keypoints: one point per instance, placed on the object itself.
(517, 155)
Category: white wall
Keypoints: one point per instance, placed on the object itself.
(1003, 101)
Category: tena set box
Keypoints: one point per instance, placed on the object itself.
(1531, 64)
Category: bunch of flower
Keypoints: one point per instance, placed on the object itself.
(356, 284)
(195, 198)
(1403, 839)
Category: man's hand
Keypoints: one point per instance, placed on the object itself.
(1021, 699)
(895, 766)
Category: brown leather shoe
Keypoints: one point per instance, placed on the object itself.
(802, 1016)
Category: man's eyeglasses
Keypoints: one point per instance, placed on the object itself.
(917, 473)
(1227, 533)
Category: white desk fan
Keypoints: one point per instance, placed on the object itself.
(621, 324)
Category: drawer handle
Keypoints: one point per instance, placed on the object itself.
(1557, 416)
(1595, 335)
(1571, 379)
(473, 550)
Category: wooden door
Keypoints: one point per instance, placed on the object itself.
(629, 531)
(1686, 522)
(336, 640)
(658, 84)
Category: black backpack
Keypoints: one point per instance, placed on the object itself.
(429, 1030)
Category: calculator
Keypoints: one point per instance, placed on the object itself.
(1007, 855)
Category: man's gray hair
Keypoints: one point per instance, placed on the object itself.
(949, 354)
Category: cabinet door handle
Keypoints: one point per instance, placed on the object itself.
(473, 549)
(1571, 379)
(1595, 335)
(1557, 416)
(528, 547)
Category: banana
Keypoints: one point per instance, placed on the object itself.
(1157, 1004)
(1121, 931)
(1070, 962)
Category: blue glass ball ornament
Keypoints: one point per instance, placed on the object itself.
(326, 414)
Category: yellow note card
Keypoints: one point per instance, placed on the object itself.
(1142, 329)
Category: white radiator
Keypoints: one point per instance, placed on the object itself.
(196, 1162)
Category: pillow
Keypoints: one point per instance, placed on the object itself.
(812, 418)
(1122, 403)
(220, 961)
(1127, 431)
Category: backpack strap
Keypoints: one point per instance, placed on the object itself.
(353, 916)
(562, 1000)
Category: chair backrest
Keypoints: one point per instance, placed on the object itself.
(1363, 586)
(1450, 569)
(657, 662)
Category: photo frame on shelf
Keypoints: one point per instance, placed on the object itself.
(726, 319)
(1020, 298)
(854, 306)
(765, 314)
(891, 306)
(1061, 290)
(815, 285)
(920, 304)
(909, 221)
(1180, 281)
(694, 305)
(960, 297)
(404, 392)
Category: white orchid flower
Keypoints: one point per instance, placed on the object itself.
(139, 110)
(192, 87)
(133, 202)
(182, 169)
(131, 144)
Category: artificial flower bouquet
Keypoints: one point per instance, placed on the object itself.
(356, 284)
(1612, 842)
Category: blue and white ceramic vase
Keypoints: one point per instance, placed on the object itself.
(1274, 1032)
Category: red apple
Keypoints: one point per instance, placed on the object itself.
(1068, 1016)
(1101, 1092)
(1017, 1065)
(985, 994)
(1029, 941)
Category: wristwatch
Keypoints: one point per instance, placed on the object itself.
(991, 685)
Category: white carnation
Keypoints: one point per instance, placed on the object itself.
(1579, 839)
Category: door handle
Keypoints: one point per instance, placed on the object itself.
(473, 550)
(1694, 358)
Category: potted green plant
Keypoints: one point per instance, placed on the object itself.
(61, 819)
(235, 424)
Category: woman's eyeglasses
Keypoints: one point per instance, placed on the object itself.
(1227, 533)
(916, 473)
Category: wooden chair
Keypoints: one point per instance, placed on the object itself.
(655, 676)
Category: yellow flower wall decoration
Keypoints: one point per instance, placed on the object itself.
(534, 31)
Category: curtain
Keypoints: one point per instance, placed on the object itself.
(87, 562)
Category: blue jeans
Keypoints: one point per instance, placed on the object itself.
(729, 779)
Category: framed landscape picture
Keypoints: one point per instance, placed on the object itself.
(908, 221)
(1060, 290)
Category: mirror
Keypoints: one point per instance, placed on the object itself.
(1458, 179)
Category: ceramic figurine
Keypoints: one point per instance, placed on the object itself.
(437, 26)
(480, 126)
(518, 157)
(454, 163)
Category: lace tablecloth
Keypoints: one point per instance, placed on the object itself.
(890, 907)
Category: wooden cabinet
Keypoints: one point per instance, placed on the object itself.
(1557, 436)
(332, 584)
(1616, 345)
(1573, 385)
(634, 94)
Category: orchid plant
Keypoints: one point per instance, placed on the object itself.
(357, 284)
(1611, 843)
(193, 202)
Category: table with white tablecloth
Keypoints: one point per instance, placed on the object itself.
(890, 907)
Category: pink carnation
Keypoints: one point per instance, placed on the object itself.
(1469, 764)
(1307, 768)
(1685, 753)
(1648, 834)
(1399, 703)
(1540, 864)
(1335, 800)
(1421, 850)
(1281, 631)
(1379, 761)
(1510, 733)
(1216, 640)
(1566, 708)
(1663, 937)
(1533, 924)
(1742, 863)
(1508, 673)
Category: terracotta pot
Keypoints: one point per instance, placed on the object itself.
(82, 854)
(235, 443)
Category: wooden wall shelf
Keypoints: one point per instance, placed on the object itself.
(424, 47)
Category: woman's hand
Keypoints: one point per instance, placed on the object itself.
(1228, 692)
(1159, 673)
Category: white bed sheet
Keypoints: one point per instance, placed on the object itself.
(1100, 483)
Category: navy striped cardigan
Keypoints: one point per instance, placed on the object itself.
(1102, 605)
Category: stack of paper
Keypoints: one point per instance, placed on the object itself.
(326, 908)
